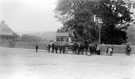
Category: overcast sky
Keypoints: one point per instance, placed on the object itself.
(26, 16)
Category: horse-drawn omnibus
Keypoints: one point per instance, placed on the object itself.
(64, 39)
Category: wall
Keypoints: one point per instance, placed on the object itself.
(30, 45)
(6, 43)
(117, 48)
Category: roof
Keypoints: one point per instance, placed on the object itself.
(5, 30)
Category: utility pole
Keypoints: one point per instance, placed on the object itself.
(99, 27)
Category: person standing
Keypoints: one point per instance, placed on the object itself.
(56, 48)
(94, 48)
(109, 51)
(82, 48)
(66, 48)
(63, 48)
(90, 49)
(128, 50)
(53, 47)
(36, 46)
(86, 46)
(98, 49)
(51, 44)
(79, 48)
(60, 47)
(49, 47)
(76, 47)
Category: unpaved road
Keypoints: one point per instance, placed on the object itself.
(26, 64)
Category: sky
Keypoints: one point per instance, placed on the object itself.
(29, 16)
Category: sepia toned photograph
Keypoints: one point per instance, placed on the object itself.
(67, 39)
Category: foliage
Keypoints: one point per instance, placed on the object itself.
(77, 15)
(116, 18)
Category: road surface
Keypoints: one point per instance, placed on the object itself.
(27, 64)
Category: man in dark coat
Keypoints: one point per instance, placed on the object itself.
(56, 47)
(75, 47)
(81, 48)
(86, 46)
(63, 48)
(53, 47)
(36, 47)
(98, 49)
(91, 49)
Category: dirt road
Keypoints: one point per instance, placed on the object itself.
(26, 64)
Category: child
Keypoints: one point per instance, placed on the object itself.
(109, 51)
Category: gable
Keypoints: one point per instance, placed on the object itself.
(5, 30)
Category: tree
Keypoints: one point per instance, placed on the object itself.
(116, 17)
(78, 15)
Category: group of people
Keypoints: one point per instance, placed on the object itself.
(81, 48)
(76, 48)
(55, 47)
(85, 48)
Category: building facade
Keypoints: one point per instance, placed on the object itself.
(7, 36)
